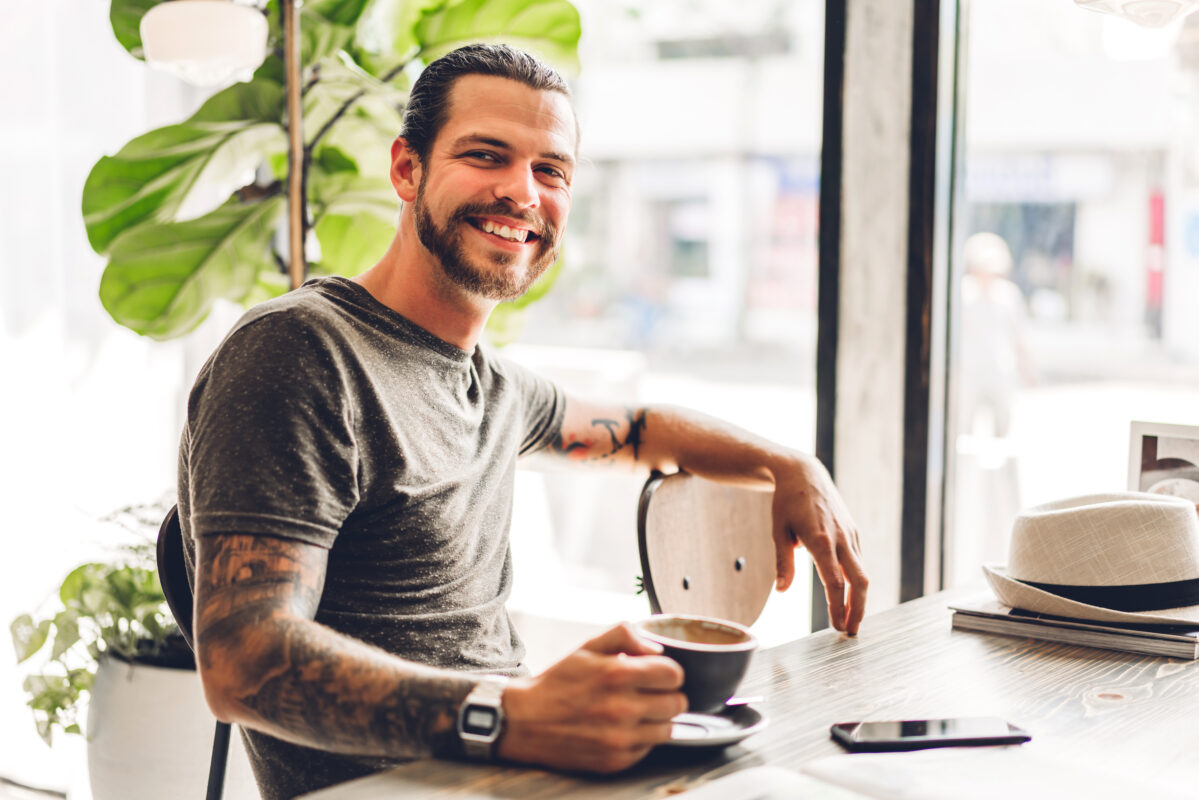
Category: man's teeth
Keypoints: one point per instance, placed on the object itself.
(511, 234)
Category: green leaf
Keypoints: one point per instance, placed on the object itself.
(126, 18)
(356, 215)
(77, 580)
(81, 680)
(319, 39)
(347, 90)
(539, 289)
(269, 283)
(367, 134)
(46, 688)
(333, 159)
(66, 632)
(507, 319)
(505, 324)
(549, 28)
(28, 636)
(351, 245)
(387, 32)
(273, 70)
(350, 194)
(339, 12)
(162, 279)
(183, 171)
(44, 730)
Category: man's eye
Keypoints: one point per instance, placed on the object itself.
(553, 172)
(482, 156)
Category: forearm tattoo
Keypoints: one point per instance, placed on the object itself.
(299, 680)
(617, 437)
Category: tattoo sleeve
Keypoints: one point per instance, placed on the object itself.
(279, 671)
(604, 439)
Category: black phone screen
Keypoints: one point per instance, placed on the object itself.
(913, 734)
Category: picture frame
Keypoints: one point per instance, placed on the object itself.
(1164, 458)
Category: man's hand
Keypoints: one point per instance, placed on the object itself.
(808, 511)
(600, 709)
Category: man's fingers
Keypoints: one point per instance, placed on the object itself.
(652, 673)
(827, 567)
(784, 554)
(855, 574)
(621, 639)
(613, 654)
(654, 733)
(661, 707)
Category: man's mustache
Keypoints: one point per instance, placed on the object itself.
(545, 230)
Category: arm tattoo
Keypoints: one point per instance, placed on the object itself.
(296, 679)
(590, 449)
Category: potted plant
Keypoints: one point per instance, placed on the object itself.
(191, 213)
(107, 644)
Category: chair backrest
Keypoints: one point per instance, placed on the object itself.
(172, 573)
(706, 548)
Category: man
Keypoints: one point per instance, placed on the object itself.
(346, 476)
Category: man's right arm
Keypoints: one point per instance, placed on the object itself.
(267, 664)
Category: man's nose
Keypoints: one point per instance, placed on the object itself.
(518, 186)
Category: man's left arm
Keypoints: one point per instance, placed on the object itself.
(807, 509)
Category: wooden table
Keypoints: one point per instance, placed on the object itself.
(1095, 706)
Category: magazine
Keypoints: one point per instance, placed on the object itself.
(987, 615)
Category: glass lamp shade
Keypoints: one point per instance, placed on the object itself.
(205, 42)
(1147, 13)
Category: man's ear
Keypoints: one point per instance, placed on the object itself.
(405, 169)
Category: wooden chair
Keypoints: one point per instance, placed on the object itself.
(172, 574)
(706, 548)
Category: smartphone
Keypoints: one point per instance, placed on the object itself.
(918, 734)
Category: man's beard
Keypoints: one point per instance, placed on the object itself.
(447, 247)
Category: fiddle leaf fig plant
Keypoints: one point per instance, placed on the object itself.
(193, 212)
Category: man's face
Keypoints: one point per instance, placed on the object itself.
(494, 193)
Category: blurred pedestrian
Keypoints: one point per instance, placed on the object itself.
(994, 361)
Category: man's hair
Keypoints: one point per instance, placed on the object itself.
(428, 104)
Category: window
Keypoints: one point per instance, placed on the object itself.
(690, 264)
(1077, 265)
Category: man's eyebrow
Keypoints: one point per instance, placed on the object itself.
(474, 138)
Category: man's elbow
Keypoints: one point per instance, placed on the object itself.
(232, 671)
(222, 690)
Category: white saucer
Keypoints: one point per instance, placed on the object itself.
(716, 730)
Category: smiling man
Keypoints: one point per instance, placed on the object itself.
(346, 477)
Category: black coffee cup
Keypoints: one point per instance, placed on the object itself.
(714, 655)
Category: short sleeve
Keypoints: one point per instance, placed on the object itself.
(543, 403)
(270, 435)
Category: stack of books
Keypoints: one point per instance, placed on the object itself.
(987, 615)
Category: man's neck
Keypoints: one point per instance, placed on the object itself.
(407, 281)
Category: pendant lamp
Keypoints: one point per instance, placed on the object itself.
(1147, 13)
(205, 42)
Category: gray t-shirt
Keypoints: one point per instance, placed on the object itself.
(326, 417)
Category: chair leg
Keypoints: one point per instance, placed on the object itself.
(220, 757)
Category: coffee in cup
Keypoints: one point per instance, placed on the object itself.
(714, 654)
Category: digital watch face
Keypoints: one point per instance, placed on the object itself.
(480, 720)
(963, 728)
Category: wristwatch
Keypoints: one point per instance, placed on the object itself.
(481, 717)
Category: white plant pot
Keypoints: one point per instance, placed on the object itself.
(149, 736)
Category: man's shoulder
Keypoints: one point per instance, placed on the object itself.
(308, 313)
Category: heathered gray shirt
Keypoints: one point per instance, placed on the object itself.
(326, 417)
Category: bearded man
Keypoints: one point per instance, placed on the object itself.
(346, 476)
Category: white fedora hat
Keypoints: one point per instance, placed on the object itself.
(1120, 557)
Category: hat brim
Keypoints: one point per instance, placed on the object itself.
(1017, 594)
